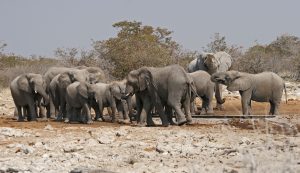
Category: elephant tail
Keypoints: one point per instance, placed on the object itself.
(285, 93)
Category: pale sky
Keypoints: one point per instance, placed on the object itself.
(40, 26)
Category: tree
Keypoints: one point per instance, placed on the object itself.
(217, 44)
(2, 46)
(137, 45)
(281, 56)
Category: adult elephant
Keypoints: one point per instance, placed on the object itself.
(26, 90)
(262, 87)
(160, 87)
(212, 63)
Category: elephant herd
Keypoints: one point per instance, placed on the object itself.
(69, 94)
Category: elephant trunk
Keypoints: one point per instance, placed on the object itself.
(44, 95)
(218, 95)
(125, 108)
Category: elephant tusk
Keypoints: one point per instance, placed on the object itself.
(35, 91)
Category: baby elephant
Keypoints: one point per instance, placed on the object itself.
(262, 87)
(205, 89)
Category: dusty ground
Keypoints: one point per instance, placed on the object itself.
(211, 145)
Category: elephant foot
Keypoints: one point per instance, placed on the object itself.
(59, 118)
(141, 124)
(203, 112)
(172, 123)
(52, 117)
(67, 120)
(32, 119)
(89, 122)
(21, 120)
(189, 122)
(100, 119)
(219, 107)
(126, 121)
(44, 119)
(165, 125)
(210, 113)
(181, 122)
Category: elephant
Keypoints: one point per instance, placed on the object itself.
(60, 82)
(111, 95)
(212, 63)
(82, 95)
(161, 87)
(205, 89)
(78, 103)
(94, 74)
(261, 87)
(27, 91)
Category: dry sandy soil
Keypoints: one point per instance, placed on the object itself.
(220, 144)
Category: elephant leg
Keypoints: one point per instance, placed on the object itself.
(62, 110)
(150, 121)
(42, 112)
(19, 111)
(180, 117)
(139, 107)
(51, 109)
(69, 113)
(144, 111)
(249, 108)
(203, 107)
(87, 110)
(120, 111)
(274, 108)
(99, 115)
(218, 93)
(246, 98)
(125, 108)
(169, 113)
(164, 119)
(210, 109)
(186, 106)
(114, 111)
(193, 107)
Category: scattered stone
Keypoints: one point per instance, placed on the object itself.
(106, 139)
(245, 140)
(11, 132)
(71, 149)
(48, 127)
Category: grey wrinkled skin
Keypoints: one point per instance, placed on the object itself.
(78, 103)
(66, 76)
(212, 63)
(162, 87)
(110, 95)
(27, 91)
(205, 89)
(261, 87)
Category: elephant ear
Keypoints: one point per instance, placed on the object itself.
(115, 91)
(82, 90)
(24, 84)
(240, 84)
(144, 79)
(72, 76)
